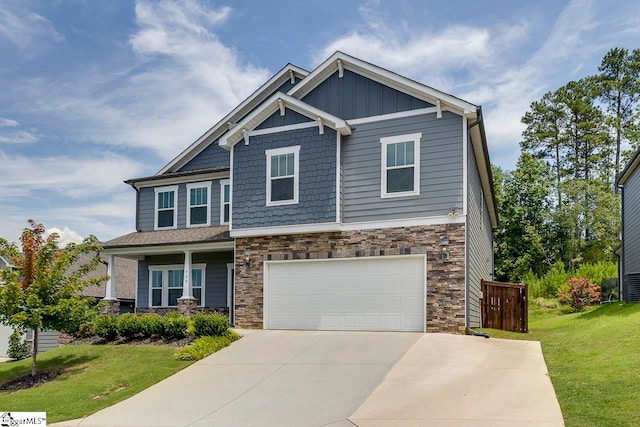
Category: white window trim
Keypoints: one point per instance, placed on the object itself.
(415, 137)
(165, 282)
(295, 150)
(159, 190)
(224, 182)
(203, 184)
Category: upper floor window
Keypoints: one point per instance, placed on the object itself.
(401, 165)
(165, 212)
(198, 206)
(282, 175)
(225, 201)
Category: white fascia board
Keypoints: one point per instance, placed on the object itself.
(201, 143)
(272, 105)
(128, 252)
(629, 169)
(380, 75)
(286, 229)
(483, 170)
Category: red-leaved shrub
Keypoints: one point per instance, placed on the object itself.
(581, 293)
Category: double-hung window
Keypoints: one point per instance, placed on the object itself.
(165, 207)
(225, 201)
(167, 282)
(282, 175)
(401, 165)
(198, 204)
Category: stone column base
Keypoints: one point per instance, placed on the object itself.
(112, 306)
(187, 306)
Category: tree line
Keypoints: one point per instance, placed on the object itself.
(560, 203)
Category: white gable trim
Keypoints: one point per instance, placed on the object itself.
(380, 75)
(288, 72)
(273, 104)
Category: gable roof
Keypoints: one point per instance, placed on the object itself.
(6, 262)
(287, 72)
(281, 101)
(340, 60)
(629, 169)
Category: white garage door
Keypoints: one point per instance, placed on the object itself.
(359, 294)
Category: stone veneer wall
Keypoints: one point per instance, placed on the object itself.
(445, 279)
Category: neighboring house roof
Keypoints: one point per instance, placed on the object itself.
(281, 101)
(170, 237)
(629, 169)
(289, 71)
(5, 262)
(124, 276)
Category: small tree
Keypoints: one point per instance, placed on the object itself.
(41, 292)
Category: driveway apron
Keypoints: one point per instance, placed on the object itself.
(268, 378)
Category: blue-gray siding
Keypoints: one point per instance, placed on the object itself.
(479, 240)
(210, 157)
(317, 180)
(354, 96)
(215, 279)
(146, 205)
(631, 236)
(290, 117)
(47, 340)
(440, 163)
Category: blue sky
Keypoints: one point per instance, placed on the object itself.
(93, 93)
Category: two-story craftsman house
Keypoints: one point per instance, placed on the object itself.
(345, 198)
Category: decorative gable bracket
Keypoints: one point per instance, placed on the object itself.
(280, 102)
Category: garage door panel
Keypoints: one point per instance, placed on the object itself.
(353, 294)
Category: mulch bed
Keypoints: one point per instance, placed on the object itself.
(27, 381)
(95, 340)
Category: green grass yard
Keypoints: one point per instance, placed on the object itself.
(593, 360)
(91, 377)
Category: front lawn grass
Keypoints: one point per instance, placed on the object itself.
(91, 377)
(594, 362)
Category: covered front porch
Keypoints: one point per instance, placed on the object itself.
(185, 270)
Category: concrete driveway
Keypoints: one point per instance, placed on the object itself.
(341, 379)
(268, 378)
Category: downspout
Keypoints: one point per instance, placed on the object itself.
(469, 331)
(137, 206)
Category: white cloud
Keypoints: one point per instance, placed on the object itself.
(4, 122)
(25, 29)
(65, 236)
(72, 177)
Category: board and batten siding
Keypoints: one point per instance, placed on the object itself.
(440, 169)
(317, 180)
(215, 275)
(290, 118)
(146, 205)
(355, 96)
(479, 241)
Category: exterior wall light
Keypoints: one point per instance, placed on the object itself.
(444, 246)
(247, 259)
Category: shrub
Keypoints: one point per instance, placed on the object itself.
(580, 294)
(211, 325)
(151, 324)
(87, 329)
(18, 348)
(174, 326)
(205, 346)
(129, 325)
(106, 326)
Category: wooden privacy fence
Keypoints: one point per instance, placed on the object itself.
(504, 306)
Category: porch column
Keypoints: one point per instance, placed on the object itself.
(110, 290)
(113, 305)
(187, 304)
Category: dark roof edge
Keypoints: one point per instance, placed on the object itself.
(629, 168)
(178, 174)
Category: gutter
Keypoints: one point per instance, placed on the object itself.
(137, 205)
(621, 266)
(479, 121)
